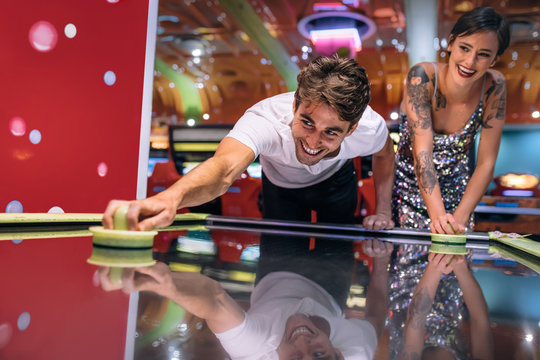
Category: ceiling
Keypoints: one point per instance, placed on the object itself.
(209, 69)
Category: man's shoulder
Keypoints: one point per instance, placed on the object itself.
(280, 101)
(274, 109)
(370, 118)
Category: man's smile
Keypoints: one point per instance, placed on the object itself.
(309, 150)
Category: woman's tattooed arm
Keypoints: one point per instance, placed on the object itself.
(425, 171)
(495, 101)
(418, 93)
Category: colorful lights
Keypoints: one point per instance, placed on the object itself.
(17, 126)
(350, 35)
(329, 6)
(43, 36)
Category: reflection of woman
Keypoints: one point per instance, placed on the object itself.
(415, 343)
(444, 106)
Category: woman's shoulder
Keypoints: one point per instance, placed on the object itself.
(424, 67)
(495, 76)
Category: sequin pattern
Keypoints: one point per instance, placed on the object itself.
(451, 160)
(444, 320)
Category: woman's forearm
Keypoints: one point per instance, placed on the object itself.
(428, 183)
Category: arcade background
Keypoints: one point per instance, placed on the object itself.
(85, 113)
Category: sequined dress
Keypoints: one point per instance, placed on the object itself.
(451, 155)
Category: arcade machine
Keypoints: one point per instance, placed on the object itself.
(512, 206)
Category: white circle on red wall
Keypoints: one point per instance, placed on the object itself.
(17, 126)
(43, 36)
(56, 210)
(109, 78)
(102, 169)
(23, 321)
(70, 31)
(35, 136)
(14, 206)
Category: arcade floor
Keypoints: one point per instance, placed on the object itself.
(337, 259)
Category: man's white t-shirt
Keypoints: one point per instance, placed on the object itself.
(282, 294)
(266, 129)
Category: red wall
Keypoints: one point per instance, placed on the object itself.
(83, 123)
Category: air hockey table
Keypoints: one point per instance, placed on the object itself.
(56, 320)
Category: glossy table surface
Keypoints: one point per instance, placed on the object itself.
(238, 256)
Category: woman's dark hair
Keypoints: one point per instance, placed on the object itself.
(479, 20)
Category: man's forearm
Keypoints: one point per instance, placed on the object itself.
(205, 298)
(383, 177)
(202, 184)
(377, 294)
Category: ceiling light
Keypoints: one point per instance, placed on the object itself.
(349, 35)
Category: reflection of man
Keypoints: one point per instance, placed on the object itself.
(305, 142)
(290, 316)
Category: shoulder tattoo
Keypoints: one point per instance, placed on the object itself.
(440, 100)
(425, 172)
(417, 90)
(497, 110)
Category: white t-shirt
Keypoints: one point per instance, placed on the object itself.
(282, 294)
(266, 129)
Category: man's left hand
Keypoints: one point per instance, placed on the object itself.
(378, 222)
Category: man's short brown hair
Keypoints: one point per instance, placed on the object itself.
(340, 83)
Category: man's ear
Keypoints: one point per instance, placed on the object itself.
(294, 106)
(351, 130)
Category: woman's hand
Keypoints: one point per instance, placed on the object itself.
(446, 224)
(443, 263)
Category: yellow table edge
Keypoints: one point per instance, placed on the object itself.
(75, 217)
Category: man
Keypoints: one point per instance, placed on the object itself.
(291, 315)
(305, 142)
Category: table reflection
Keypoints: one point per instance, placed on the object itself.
(382, 298)
(429, 312)
(300, 289)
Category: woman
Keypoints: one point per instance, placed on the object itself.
(443, 107)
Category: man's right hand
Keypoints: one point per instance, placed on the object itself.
(143, 215)
(156, 278)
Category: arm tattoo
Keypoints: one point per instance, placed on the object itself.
(418, 309)
(498, 107)
(417, 90)
(440, 100)
(425, 171)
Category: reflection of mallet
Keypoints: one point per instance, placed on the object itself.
(448, 244)
(121, 248)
